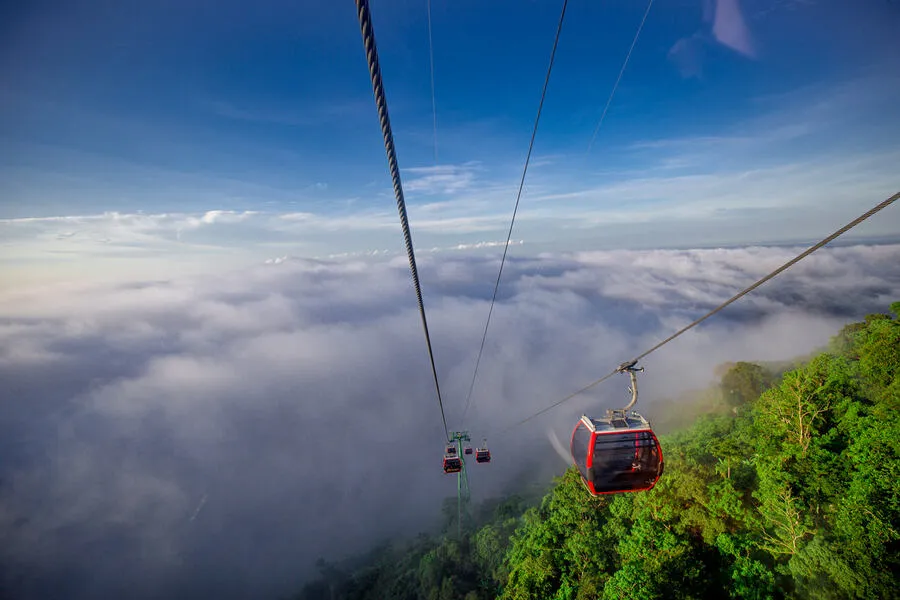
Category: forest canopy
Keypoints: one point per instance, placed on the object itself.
(787, 487)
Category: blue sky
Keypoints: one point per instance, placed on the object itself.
(199, 129)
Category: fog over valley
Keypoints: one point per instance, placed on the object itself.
(214, 435)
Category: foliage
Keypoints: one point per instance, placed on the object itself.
(789, 492)
(744, 383)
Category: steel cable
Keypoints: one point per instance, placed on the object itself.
(368, 35)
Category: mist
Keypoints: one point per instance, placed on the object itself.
(216, 434)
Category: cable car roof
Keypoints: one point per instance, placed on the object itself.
(615, 420)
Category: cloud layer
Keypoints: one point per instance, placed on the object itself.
(673, 204)
(215, 435)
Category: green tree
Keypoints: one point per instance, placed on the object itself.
(744, 382)
(794, 493)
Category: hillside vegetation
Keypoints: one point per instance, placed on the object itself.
(787, 488)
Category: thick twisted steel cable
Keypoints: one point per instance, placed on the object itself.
(368, 35)
(512, 222)
(737, 296)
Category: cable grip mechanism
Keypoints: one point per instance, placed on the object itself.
(630, 368)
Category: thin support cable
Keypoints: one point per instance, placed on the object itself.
(776, 272)
(737, 296)
(512, 222)
(619, 78)
(368, 35)
(566, 399)
(433, 101)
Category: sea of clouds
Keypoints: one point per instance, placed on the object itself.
(214, 435)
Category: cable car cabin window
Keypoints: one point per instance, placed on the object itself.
(581, 438)
(625, 461)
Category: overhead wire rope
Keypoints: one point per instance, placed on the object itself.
(737, 296)
(433, 101)
(368, 35)
(619, 78)
(512, 222)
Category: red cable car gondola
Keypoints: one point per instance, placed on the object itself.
(452, 462)
(483, 455)
(618, 453)
(468, 450)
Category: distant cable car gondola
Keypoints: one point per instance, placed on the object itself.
(618, 453)
(468, 450)
(452, 462)
(483, 455)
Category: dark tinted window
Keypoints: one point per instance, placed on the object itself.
(580, 441)
(625, 461)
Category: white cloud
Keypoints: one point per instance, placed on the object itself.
(441, 179)
(840, 186)
(280, 393)
(815, 114)
(784, 202)
(769, 178)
